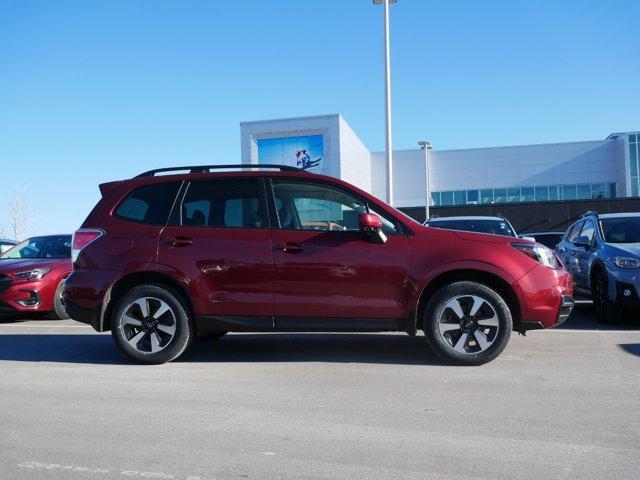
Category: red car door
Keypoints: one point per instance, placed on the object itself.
(325, 267)
(220, 245)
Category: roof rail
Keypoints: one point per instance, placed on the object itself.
(208, 168)
(587, 213)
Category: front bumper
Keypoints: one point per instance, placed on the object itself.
(545, 296)
(624, 286)
(25, 297)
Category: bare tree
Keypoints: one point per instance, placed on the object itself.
(20, 218)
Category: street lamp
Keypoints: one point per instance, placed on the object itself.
(426, 148)
(387, 71)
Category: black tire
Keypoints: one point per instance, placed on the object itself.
(211, 336)
(605, 310)
(472, 349)
(179, 320)
(59, 312)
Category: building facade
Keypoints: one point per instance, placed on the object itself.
(327, 144)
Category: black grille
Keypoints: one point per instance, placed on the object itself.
(5, 281)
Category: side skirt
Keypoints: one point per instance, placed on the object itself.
(226, 323)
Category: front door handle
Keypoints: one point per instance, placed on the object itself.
(178, 241)
(290, 247)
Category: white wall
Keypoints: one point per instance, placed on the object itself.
(347, 157)
(409, 177)
(355, 161)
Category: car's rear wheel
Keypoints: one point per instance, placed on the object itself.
(59, 312)
(467, 323)
(151, 324)
(606, 311)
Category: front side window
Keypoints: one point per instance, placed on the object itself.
(230, 203)
(574, 231)
(149, 204)
(315, 206)
(55, 247)
(588, 230)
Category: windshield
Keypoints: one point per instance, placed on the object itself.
(41, 247)
(496, 227)
(621, 230)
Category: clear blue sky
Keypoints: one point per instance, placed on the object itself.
(92, 91)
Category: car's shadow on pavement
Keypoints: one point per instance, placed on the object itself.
(281, 347)
(583, 318)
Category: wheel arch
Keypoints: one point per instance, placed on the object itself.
(491, 280)
(126, 283)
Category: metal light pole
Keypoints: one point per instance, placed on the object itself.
(387, 71)
(426, 147)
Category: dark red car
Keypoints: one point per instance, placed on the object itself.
(32, 276)
(163, 258)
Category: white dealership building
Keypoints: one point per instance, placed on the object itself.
(327, 144)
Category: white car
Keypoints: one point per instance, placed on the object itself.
(6, 244)
(493, 225)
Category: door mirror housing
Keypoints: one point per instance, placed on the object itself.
(371, 225)
(582, 241)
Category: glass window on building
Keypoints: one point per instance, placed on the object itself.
(584, 192)
(599, 190)
(447, 198)
(528, 194)
(460, 197)
(435, 196)
(513, 195)
(472, 196)
(569, 192)
(542, 194)
(554, 192)
(500, 195)
(486, 196)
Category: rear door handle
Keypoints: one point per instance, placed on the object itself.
(291, 247)
(178, 241)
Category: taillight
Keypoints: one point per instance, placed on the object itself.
(82, 238)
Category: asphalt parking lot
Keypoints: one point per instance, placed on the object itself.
(562, 404)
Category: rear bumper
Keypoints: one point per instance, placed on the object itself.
(545, 296)
(90, 316)
(84, 294)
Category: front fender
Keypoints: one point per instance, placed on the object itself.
(421, 283)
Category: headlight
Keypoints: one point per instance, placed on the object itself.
(35, 274)
(539, 253)
(624, 262)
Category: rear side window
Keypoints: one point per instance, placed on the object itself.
(149, 204)
(231, 203)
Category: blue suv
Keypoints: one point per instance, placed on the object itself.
(602, 253)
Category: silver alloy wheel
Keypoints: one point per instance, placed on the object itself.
(148, 325)
(468, 324)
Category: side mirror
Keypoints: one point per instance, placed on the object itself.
(371, 225)
(582, 241)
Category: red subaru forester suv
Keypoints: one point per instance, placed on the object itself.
(164, 258)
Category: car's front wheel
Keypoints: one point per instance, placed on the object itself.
(606, 311)
(151, 324)
(59, 312)
(467, 323)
